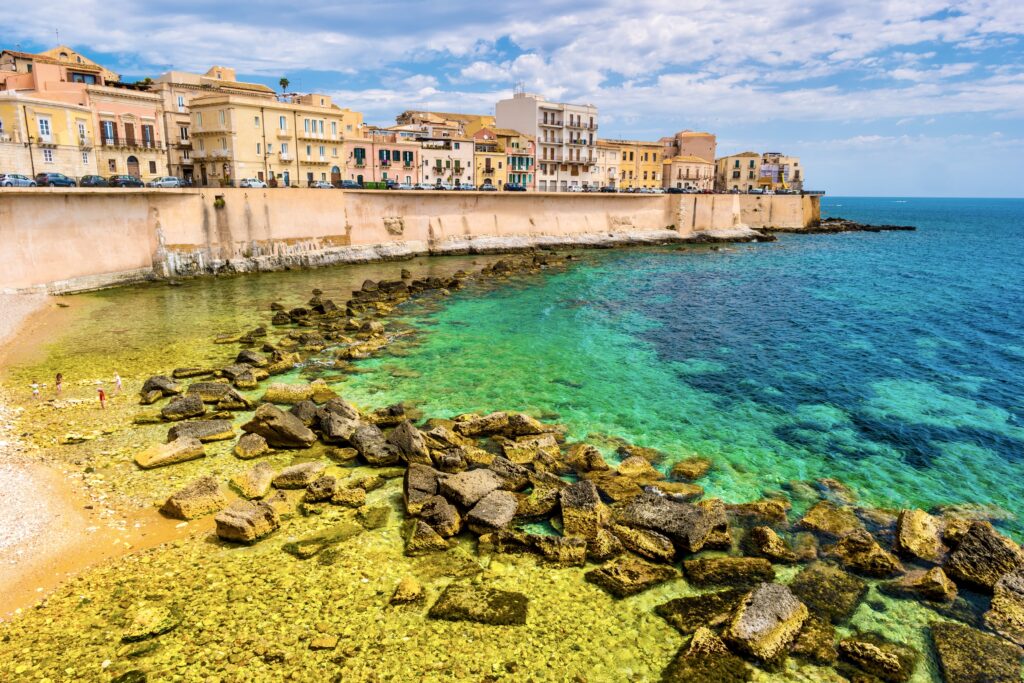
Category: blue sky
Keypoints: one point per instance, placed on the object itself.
(907, 97)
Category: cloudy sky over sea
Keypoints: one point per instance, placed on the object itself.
(909, 97)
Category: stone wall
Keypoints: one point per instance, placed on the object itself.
(80, 239)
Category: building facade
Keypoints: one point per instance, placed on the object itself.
(381, 156)
(687, 172)
(520, 157)
(442, 124)
(640, 163)
(447, 161)
(780, 172)
(38, 136)
(690, 143)
(737, 172)
(489, 159)
(748, 171)
(565, 136)
(608, 164)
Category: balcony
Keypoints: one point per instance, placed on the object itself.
(199, 154)
(310, 135)
(316, 160)
(184, 143)
(360, 163)
(212, 130)
(220, 154)
(285, 156)
(84, 142)
(284, 133)
(130, 143)
(550, 124)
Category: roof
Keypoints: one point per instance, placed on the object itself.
(690, 159)
(695, 133)
(241, 85)
(630, 142)
(741, 154)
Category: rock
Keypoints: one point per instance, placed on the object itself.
(418, 485)
(967, 655)
(410, 443)
(349, 497)
(245, 380)
(583, 513)
(932, 585)
(603, 546)
(829, 591)
(636, 467)
(706, 659)
(690, 469)
(374, 517)
(369, 440)
(204, 430)
(521, 424)
(161, 383)
(687, 525)
(825, 517)
(255, 482)
(728, 571)
(408, 591)
(150, 621)
(475, 425)
(246, 522)
(183, 407)
(616, 488)
(982, 557)
(466, 488)
(917, 535)
(288, 394)
(316, 542)
(251, 446)
(338, 428)
(461, 602)
(764, 542)
(298, 476)
(627, 576)
(327, 642)
(371, 483)
(645, 543)
(678, 490)
(253, 358)
(816, 642)
(321, 392)
(492, 512)
(649, 454)
(1006, 615)
(442, 516)
(186, 373)
(710, 609)
(280, 429)
(210, 392)
(306, 411)
(199, 498)
(858, 551)
(764, 512)
(568, 551)
(423, 539)
(180, 450)
(766, 621)
(516, 477)
(880, 658)
(321, 489)
(583, 457)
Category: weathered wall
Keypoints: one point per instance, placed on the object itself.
(73, 240)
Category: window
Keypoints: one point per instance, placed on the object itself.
(623, 156)
(82, 134)
(321, 127)
(305, 125)
(323, 151)
(282, 123)
(736, 164)
(258, 149)
(181, 103)
(223, 143)
(44, 128)
(202, 143)
(48, 156)
(631, 156)
(147, 135)
(256, 122)
(223, 117)
(309, 150)
(270, 148)
(455, 145)
(152, 167)
(186, 155)
(85, 158)
(183, 132)
(334, 152)
(112, 165)
(334, 129)
(284, 148)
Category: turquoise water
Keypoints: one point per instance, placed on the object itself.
(894, 362)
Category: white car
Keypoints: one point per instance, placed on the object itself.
(423, 186)
(658, 190)
(574, 188)
(321, 185)
(16, 180)
(443, 186)
(251, 182)
(405, 186)
(165, 181)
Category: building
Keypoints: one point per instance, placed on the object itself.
(38, 135)
(640, 163)
(753, 171)
(447, 160)
(520, 157)
(780, 172)
(737, 172)
(608, 164)
(689, 143)
(489, 159)
(441, 124)
(381, 156)
(565, 136)
(687, 172)
(291, 141)
(177, 89)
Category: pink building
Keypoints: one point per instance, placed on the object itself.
(380, 157)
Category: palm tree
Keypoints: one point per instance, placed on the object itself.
(284, 82)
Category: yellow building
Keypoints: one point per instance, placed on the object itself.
(520, 157)
(640, 163)
(608, 160)
(289, 143)
(489, 167)
(44, 136)
(687, 172)
(737, 172)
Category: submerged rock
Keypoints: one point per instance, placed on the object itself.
(710, 609)
(982, 557)
(182, 449)
(1006, 616)
(825, 517)
(255, 482)
(706, 659)
(422, 539)
(150, 621)
(280, 429)
(204, 430)
(829, 591)
(645, 543)
(408, 591)
(246, 522)
(199, 498)
(766, 621)
(627, 576)
(764, 542)
(691, 468)
(461, 602)
(251, 446)
(816, 642)
(183, 408)
(967, 655)
(917, 535)
(885, 660)
(932, 585)
(728, 571)
(860, 552)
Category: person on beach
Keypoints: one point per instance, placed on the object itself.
(60, 382)
(117, 383)
(35, 389)
(103, 397)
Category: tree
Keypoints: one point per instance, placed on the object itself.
(284, 84)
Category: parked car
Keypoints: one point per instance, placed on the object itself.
(657, 190)
(124, 181)
(608, 188)
(468, 187)
(165, 181)
(574, 188)
(443, 186)
(678, 190)
(515, 187)
(404, 186)
(255, 183)
(54, 180)
(487, 187)
(350, 185)
(92, 181)
(16, 180)
(321, 185)
(423, 186)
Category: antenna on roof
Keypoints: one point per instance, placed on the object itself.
(519, 88)
(56, 33)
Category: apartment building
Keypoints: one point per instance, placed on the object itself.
(177, 89)
(447, 160)
(565, 136)
(689, 143)
(750, 170)
(520, 157)
(289, 142)
(687, 172)
(441, 124)
(640, 163)
(381, 155)
(780, 172)
(38, 135)
(737, 172)
(608, 164)
(489, 161)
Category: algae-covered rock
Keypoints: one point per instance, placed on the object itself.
(251, 446)
(442, 516)
(825, 517)
(410, 443)
(967, 655)
(767, 620)
(418, 485)
(422, 538)
(521, 424)
(149, 621)
(201, 497)
(583, 513)
(982, 557)
(476, 425)
(651, 455)
(767, 511)
(369, 440)
(1006, 616)
(316, 542)
(932, 585)
(648, 544)
(829, 591)
(288, 394)
(246, 522)
(690, 468)
(254, 482)
(298, 476)
(689, 613)
(204, 430)
(183, 408)
(687, 525)
(816, 642)
(728, 571)
(162, 384)
(466, 488)
(320, 489)
(374, 517)
(280, 429)
(764, 542)
(705, 659)
(493, 512)
(212, 392)
(461, 602)
(917, 535)
(408, 591)
(180, 450)
(583, 457)
(353, 497)
(885, 660)
(638, 468)
(627, 576)
(858, 551)
(516, 477)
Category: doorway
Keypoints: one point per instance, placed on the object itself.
(335, 175)
(133, 167)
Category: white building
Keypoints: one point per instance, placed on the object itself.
(566, 137)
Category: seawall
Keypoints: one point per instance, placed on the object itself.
(70, 240)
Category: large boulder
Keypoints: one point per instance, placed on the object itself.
(204, 430)
(690, 468)
(369, 440)
(410, 443)
(253, 358)
(442, 516)
(825, 517)
(251, 446)
(967, 655)
(198, 499)
(280, 429)
(476, 425)
(1006, 615)
(422, 539)
(157, 387)
(627, 576)
(687, 525)
(254, 482)
(766, 621)
(493, 512)
(466, 488)
(521, 424)
(338, 427)
(583, 458)
(180, 450)
(583, 513)
(728, 571)
(299, 476)
(418, 485)
(917, 536)
(645, 543)
(516, 477)
(183, 408)
(982, 557)
(279, 392)
(689, 613)
(882, 659)
(308, 412)
(763, 541)
(706, 658)
(932, 585)
(858, 551)
(461, 602)
(246, 522)
(217, 393)
(829, 591)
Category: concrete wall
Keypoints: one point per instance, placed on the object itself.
(79, 239)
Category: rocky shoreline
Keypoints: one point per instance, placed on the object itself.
(835, 224)
(496, 480)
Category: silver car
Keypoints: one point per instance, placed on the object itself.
(165, 181)
(16, 180)
(251, 182)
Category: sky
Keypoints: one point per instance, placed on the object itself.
(898, 98)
